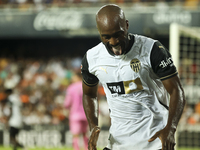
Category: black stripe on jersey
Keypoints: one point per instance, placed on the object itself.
(88, 78)
(88, 84)
(164, 105)
(161, 62)
(169, 76)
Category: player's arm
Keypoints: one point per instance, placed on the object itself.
(177, 101)
(90, 103)
(165, 69)
(91, 107)
(176, 106)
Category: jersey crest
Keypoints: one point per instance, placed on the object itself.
(135, 65)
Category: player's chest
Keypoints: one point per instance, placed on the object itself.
(113, 70)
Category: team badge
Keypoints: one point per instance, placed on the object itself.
(135, 65)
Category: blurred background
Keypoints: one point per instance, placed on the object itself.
(42, 43)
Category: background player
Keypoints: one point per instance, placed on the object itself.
(14, 119)
(77, 119)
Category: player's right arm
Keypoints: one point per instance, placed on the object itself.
(90, 103)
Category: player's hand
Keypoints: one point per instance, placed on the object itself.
(167, 138)
(92, 144)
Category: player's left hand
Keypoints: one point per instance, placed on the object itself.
(167, 138)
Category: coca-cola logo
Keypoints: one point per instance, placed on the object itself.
(172, 16)
(59, 20)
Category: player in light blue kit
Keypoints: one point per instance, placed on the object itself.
(141, 83)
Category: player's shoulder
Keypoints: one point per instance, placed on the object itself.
(96, 50)
(144, 44)
(144, 39)
(95, 54)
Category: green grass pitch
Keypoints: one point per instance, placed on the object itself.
(63, 148)
(9, 148)
(67, 148)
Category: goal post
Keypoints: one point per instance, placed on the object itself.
(176, 31)
(184, 45)
(174, 43)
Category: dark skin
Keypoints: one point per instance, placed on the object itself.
(113, 30)
(91, 107)
(177, 102)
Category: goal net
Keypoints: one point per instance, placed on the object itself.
(185, 49)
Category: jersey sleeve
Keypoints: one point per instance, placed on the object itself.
(88, 78)
(161, 62)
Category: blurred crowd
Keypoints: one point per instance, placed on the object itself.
(189, 74)
(41, 85)
(28, 3)
(191, 115)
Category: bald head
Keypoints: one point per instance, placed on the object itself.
(113, 28)
(110, 15)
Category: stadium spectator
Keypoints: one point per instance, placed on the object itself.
(39, 5)
(77, 119)
(4, 109)
(141, 85)
(58, 113)
(15, 121)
